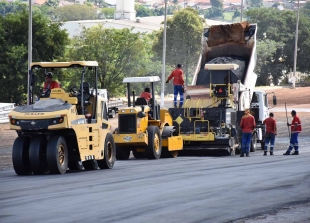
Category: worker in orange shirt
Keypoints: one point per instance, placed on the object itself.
(178, 82)
(146, 94)
(49, 84)
(247, 125)
(295, 130)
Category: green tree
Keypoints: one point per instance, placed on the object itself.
(217, 3)
(184, 32)
(213, 13)
(75, 12)
(52, 3)
(254, 3)
(49, 43)
(10, 7)
(279, 26)
(236, 14)
(143, 11)
(118, 52)
(107, 13)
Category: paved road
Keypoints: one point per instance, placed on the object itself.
(185, 189)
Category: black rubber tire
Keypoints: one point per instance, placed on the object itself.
(20, 156)
(138, 155)
(57, 155)
(122, 152)
(37, 156)
(90, 165)
(109, 153)
(253, 143)
(153, 149)
(75, 165)
(165, 153)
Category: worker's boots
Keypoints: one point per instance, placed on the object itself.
(265, 153)
(247, 155)
(287, 153)
(242, 155)
(295, 153)
(271, 153)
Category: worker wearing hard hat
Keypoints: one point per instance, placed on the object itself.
(247, 125)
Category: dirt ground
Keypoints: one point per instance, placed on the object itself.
(298, 98)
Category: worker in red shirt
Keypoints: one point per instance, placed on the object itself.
(247, 125)
(178, 82)
(271, 132)
(295, 130)
(146, 94)
(49, 84)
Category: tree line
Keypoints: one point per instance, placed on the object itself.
(122, 53)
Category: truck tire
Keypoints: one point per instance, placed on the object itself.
(57, 155)
(20, 156)
(90, 165)
(37, 156)
(253, 143)
(112, 114)
(153, 149)
(122, 152)
(109, 153)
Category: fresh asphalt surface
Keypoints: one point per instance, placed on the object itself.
(184, 189)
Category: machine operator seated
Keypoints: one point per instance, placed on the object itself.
(49, 84)
(146, 94)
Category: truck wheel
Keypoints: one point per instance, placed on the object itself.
(90, 165)
(122, 153)
(153, 149)
(138, 155)
(37, 156)
(253, 143)
(109, 153)
(113, 114)
(20, 156)
(57, 155)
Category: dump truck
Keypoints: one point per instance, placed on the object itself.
(223, 87)
(144, 128)
(62, 129)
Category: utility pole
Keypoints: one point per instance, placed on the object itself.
(29, 87)
(241, 12)
(295, 50)
(163, 66)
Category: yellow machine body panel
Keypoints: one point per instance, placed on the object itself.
(139, 139)
(90, 136)
(173, 143)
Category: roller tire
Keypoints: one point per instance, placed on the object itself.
(109, 153)
(57, 155)
(122, 153)
(20, 156)
(37, 156)
(90, 165)
(153, 149)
